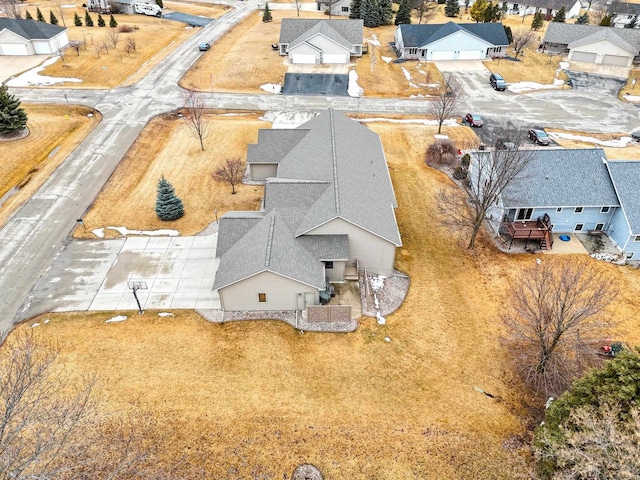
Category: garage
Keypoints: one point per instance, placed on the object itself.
(306, 58)
(14, 49)
(615, 60)
(472, 55)
(442, 55)
(578, 56)
(335, 58)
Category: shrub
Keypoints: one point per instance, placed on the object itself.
(465, 160)
(442, 153)
(101, 22)
(460, 173)
(125, 28)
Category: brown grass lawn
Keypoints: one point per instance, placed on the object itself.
(634, 74)
(166, 147)
(247, 399)
(211, 10)
(54, 131)
(631, 152)
(155, 38)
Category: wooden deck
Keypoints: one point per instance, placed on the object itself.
(539, 230)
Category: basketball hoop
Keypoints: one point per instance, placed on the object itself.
(134, 286)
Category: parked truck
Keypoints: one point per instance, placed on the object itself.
(150, 9)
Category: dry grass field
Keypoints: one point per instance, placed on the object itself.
(166, 147)
(154, 38)
(630, 152)
(54, 131)
(211, 10)
(255, 399)
(630, 88)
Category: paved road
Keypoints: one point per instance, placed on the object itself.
(36, 233)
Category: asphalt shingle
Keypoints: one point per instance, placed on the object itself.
(422, 35)
(293, 28)
(565, 33)
(626, 179)
(30, 29)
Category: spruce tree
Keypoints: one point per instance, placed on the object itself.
(538, 21)
(385, 7)
(606, 21)
(509, 34)
(28, 16)
(39, 15)
(101, 22)
(77, 21)
(112, 22)
(168, 206)
(560, 15)
(88, 21)
(159, 3)
(370, 13)
(355, 9)
(477, 10)
(403, 17)
(451, 8)
(582, 19)
(52, 18)
(266, 16)
(13, 118)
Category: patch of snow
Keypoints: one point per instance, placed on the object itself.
(377, 283)
(271, 87)
(616, 143)
(433, 85)
(381, 319)
(54, 280)
(35, 325)
(450, 122)
(354, 89)
(387, 339)
(68, 5)
(386, 59)
(631, 98)
(33, 77)
(165, 314)
(419, 95)
(528, 86)
(124, 231)
(374, 40)
(609, 257)
(407, 74)
(287, 119)
(46, 321)
(563, 65)
(441, 136)
(558, 81)
(118, 318)
(98, 232)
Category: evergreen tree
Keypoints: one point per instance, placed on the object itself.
(385, 7)
(606, 21)
(538, 21)
(88, 21)
(509, 34)
(266, 16)
(168, 206)
(478, 9)
(560, 16)
(101, 22)
(403, 17)
(112, 22)
(355, 9)
(52, 18)
(451, 8)
(159, 3)
(77, 21)
(582, 19)
(370, 13)
(28, 16)
(39, 15)
(633, 23)
(491, 13)
(12, 117)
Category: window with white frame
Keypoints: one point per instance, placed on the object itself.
(412, 51)
(636, 238)
(629, 255)
(599, 227)
(604, 209)
(559, 210)
(579, 227)
(345, 9)
(578, 209)
(524, 214)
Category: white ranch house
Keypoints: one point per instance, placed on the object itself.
(30, 37)
(338, 7)
(451, 41)
(547, 7)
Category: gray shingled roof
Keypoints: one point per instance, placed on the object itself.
(30, 29)
(293, 28)
(327, 247)
(605, 34)
(552, 4)
(322, 28)
(273, 145)
(626, 179)
(566, 33)
(233, 226)
(624, 8)
(562, 178)
(422, 35)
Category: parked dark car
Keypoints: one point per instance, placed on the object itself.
(539, 136)
(474, 120)
(497, 82)
(203, 47)
(502, 144)
(635, 136)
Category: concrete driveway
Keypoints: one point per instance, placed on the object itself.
(178, 272)
(11, 65)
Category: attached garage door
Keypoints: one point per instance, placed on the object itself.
(303, 58)
(335, 58)
(583, 56)
(14, 49)
(615, 60)
(444, 55)
(472, 55)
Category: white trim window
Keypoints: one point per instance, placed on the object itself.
(578, 210)
(558, 209)
(578, 227)
(636, 238)
(604, 209)
(629, 255)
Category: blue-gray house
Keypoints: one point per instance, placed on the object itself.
(571, 190)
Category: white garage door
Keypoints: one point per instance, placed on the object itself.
(583, 56)
(14, 49)
(303, 58)
(472, 55)
(443, 55)
(335, 58)
(615, 60)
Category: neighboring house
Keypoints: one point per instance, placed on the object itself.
(321, 41)
(451, 41)
(30, 37)
(124, 6)
(338, 7)
(593, 44)
(622, 13)
(100, 6)
(573, 190)
(328, 208)
(547, 7)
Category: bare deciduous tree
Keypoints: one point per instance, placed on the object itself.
(521, 40)
(490, 173)
(442, 152)
(425, 10)
(130, 45)
(554, 321)
(447, 104)
(113, 36)
(231, 172)
(76, 45)
(195, 117)
(61, 13)
(10, 8)
(99, 48)
(597, 13)
(297, 5)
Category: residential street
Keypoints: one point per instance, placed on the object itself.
(39, 230)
